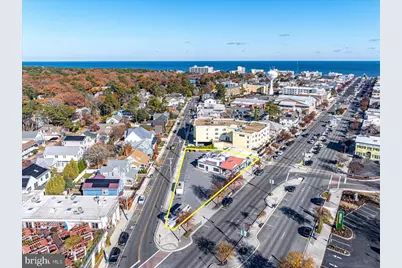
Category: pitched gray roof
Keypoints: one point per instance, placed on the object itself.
(29, 135)
(61, 150)
(142, 133)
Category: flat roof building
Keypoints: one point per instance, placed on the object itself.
(99, 212)
(201, 70)
(368, 147)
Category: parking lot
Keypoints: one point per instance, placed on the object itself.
(197, 183)
(364, 246)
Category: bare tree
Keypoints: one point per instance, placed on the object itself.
(341, 158)
(97, 154)
(117, 132)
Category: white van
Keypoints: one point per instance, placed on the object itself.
(180, 188)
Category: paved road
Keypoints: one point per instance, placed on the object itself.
(249, 202)
(141, 244)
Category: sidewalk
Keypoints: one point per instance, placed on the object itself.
(316, 248)
(252, 241)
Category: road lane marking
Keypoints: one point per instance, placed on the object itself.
(135, 264)
(369, 209)
(346, 179)
(330, 180)
(339, 181)
(283, 235)
(337, 257)
(361, 211)
(333, 265)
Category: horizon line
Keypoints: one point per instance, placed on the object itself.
(189, 60)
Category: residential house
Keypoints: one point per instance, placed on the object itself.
(175, 99)
(34, 176)
(205, 96)
(102, 187)
(51, 132)
(93, 137)
(60, 156)
(138, 134)
(146, 146)
(115, 119)
(274, 127)
(105, 130)
(37, 136)
(28, 148)
(81, 141)
(139, 159)
(121, 169)
(158, 124)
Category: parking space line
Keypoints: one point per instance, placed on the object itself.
(340, 242)
(371, 215)
(365, 207)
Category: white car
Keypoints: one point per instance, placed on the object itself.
(141, 200)
(279, 153)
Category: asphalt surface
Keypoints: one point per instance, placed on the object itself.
(141, 244)
(249, 202)
(364, 247)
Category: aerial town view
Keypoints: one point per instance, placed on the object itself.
(182, 163)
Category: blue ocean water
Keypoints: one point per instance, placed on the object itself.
(370, 68)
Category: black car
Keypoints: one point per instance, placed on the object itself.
(320, 201)
(307, 231)
(290, 189)
(308, 162)
(259, 172)
(123, 238)
(227, 201)
(316, 151)
(114, 255)
(290, 143)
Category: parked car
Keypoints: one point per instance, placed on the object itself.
(280, 153)
(141, 199)
(311, 141)
(114, 255)
(290, 189)
(259, 172)
(172, 147)
(227, 201)
(307, 231)
(290, 143)
(320, 201)
(276, 156)
(123, 238)
(308, 162)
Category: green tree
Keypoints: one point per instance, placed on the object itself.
(71, 170)
(272, 109)
(256, 114)
(220, 91)
(142, 115)
(55, 186)
(156, 105)
(72, 241)
(58, 114)
(81, 165)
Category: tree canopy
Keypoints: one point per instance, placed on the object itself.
(55, 186)
(296, 260)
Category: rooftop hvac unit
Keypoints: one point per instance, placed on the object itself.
(80, 210)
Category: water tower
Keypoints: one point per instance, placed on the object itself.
(272, 75)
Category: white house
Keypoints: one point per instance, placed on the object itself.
(133, 135)
(62, 155)
(292, 102)
(34, 176)
(289, 120)
(37, 136)
(115, 119)
(121, 169)
(81, 141)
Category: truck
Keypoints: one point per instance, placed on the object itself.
(180, 188)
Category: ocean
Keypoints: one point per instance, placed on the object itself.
(358, 68)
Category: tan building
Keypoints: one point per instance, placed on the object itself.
(227, 132)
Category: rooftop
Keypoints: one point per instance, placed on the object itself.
(34, 171)
(67, 208)
(101, 184)
(246, 127)
(61, 150)
(249, 101)
(74, 138)
(371, 140)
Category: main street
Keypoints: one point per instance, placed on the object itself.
(224, 225)
(141, 244)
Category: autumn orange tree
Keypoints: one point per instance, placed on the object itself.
(296, 260)
(224, 252)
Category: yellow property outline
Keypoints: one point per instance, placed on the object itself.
(212, 197)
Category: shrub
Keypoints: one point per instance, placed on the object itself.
(319, 225)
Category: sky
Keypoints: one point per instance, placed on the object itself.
(139, 30)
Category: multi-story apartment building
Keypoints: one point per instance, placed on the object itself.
(255, 71)
(368, 147)
(201, 70)
(239, 134)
